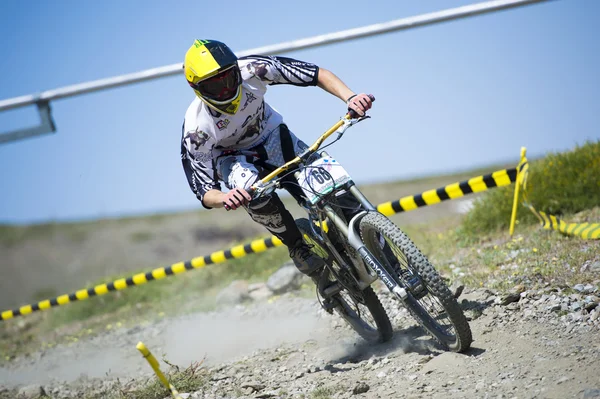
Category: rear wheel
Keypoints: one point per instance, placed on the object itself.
(429, 301)
(362, 310)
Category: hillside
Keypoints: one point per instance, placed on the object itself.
(42, 261)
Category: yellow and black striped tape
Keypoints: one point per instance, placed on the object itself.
(451, 191)
(551, 222)
(456, 190)
(142, 278)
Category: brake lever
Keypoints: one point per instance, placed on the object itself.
(348, 123)
(362, 118)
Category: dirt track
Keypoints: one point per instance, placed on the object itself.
(289, 348)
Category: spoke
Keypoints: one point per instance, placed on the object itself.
(364, 315)
(350, 306)
(429, 303)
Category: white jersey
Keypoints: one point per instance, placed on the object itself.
(206, 133)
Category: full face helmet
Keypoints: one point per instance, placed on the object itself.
(211, 69)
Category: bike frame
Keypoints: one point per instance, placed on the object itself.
(349, 230)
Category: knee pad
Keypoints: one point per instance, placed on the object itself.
(268, 211)
(236, 171)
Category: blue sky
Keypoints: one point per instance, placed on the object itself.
(449, 96)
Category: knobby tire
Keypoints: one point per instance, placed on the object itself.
(456, 336)
(345, 306)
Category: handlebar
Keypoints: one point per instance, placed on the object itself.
(345, 121)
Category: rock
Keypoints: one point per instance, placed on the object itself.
(313, 369)
(576, 316)
(585, 267)
(476, 299)
(595, 267)
(563, 379)
(234, 293)
(268, 394)
(361, 387)
(579, 287)
(259, 292)
(553, 308)
(219, 377)
(576, 306)
(31, 392)
(510, 298)
(589, 289)
(286, 279)
(254, 385)
(372, 361)
(518, 289)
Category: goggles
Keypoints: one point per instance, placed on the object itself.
(221, 87)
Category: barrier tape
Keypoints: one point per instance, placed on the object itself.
(142, 278)
(154, 364)
(451, 191)
(409, 203)
(551, 222)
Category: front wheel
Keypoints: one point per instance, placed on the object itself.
(362, 310)
(429, 300)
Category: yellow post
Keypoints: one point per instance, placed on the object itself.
(154, 364)
(513, 217)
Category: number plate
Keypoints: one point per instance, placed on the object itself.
(322, 177)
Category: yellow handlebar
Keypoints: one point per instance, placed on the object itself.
(312, 148)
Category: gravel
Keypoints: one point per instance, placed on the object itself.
(528, 343)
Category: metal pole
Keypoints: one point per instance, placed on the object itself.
(315, 41)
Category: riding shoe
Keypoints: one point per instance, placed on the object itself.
(305, 260)
(310, 264)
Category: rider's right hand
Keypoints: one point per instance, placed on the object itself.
(235, 198)
(359, 104)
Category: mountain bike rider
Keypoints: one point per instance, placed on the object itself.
(231, 134)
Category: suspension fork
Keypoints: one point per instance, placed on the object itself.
(365, 278)
(350, 231)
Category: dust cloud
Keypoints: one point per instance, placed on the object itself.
(214, 338)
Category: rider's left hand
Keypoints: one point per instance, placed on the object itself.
(359, 103)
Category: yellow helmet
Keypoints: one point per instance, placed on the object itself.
(211, 69)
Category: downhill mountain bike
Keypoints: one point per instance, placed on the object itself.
(360, 248)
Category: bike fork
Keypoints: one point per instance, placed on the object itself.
(368, 258)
